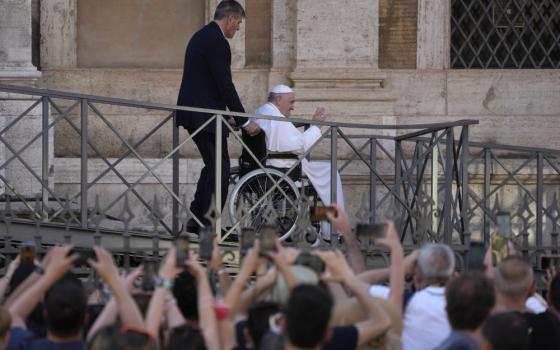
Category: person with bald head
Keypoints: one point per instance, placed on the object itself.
(284, 137)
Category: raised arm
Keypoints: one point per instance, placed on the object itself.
(396, 279)
(5, 281)
(248, 266)
(105, 267)
(208, 322)
(342, 223)
(167, 273)
(377, 321)
(59, 264)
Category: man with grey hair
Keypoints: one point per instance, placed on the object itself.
(284, 137)
(514, 283)
(425, 319)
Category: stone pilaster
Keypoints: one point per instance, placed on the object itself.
(16, 68)
(59, 34)
(433, 40)
(337, 33)
(336, 59)
(284, 29)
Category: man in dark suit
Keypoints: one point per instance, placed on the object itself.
(207, 83)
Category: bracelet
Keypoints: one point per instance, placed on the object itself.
(222, 271)
(163, 282)
(39, 270)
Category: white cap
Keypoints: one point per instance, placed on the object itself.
(281, 89)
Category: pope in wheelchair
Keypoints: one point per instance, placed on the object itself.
(284, 145)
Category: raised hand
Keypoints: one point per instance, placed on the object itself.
(59, 262)
(319, 114)
(168, 269)
(341, 221)
(337, 268)
(104, 265)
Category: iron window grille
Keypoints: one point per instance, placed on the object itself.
(505, 34)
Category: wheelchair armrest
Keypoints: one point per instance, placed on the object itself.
(299, 125)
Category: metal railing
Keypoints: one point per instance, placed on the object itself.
(421, 175)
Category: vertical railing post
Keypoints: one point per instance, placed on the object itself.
(175, 189)
(334, 170)
(218, 174)
(435, 184)
(84, 163)
(372, 179)
(540, 204)
(45, 158)
(486, 200)
(465, 185)
(397, 186)
(448, 194)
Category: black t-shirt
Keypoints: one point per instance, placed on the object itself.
(545, 330)
(23, 339)
(343, 337)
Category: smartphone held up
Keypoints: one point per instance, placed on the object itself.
(320, 213)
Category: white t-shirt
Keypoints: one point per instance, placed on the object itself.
(425, 320)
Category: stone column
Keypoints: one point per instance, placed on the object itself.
(434, 34)
(336, 60)
(284, 28)
(59, 34)
(16, 68)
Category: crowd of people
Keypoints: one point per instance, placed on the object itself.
(282, 299)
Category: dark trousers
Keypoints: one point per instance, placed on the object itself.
(205, 188)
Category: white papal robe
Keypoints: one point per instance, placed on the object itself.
(285, 137)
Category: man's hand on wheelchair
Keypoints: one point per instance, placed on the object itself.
(252, 128)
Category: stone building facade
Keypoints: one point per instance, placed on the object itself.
(372, 61)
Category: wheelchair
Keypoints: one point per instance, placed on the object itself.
(252, 183)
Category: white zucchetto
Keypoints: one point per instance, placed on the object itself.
(281, 89)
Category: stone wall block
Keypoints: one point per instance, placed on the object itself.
(58, 33)
(337, 33)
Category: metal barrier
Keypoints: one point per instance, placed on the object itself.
(428, 187)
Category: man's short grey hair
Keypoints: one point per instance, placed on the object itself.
(436, 263)
(272, 96)
(228, 8)
(513, 277)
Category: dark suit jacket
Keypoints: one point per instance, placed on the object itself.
(207, 80)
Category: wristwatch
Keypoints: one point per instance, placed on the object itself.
(163, 282)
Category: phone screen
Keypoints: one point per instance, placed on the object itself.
(148, 278)
(550, 261)
(320, 213)
(206, 243)
(499, 249)
(374, 231)
(247, 239)
(475, 256)
(268, 239)
(182, 247)
(503, 220)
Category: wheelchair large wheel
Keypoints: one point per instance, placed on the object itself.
(253, 186)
